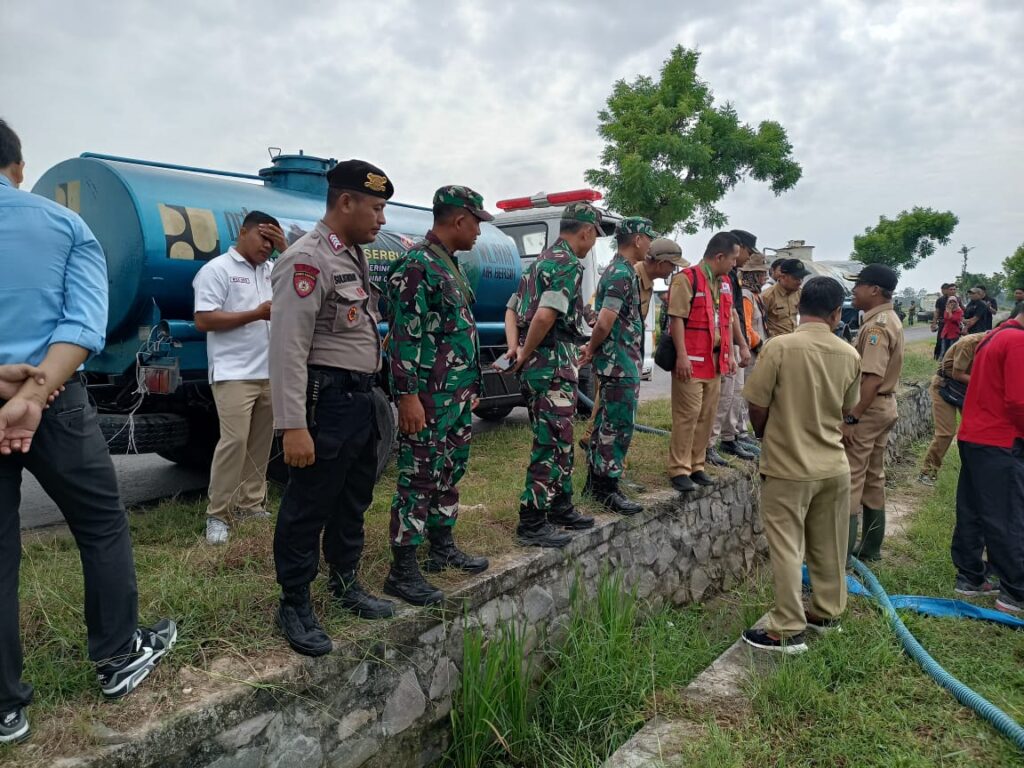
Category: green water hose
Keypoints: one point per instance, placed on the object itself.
(638, 427)
(1001, 721)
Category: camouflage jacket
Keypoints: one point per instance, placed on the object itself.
(619, 291)
(432, 345)
(553, 281)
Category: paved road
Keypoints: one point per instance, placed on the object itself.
(147, 478)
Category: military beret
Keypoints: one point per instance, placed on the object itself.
(878, 274)
(462, 197)
(663, 249)
(636, 225)
(361, 176)
(583, 212)
(746, 239)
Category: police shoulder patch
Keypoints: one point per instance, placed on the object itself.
(873, 338)
(304, 279)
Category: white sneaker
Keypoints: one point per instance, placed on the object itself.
(246, 514)
(216, 531)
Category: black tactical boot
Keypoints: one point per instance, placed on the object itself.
(299, 624)
(606, 492)
(351, 596)
(735, 448)
(535, 531)
(564, 515)
(445, 554)
(406, 582)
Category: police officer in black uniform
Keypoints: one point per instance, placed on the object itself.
(324, 357)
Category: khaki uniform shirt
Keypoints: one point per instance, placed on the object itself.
(960, 356)
(325, 313)
(880, 344)
(780, 309)
(680, 297)
(806, 379)
(646, 288)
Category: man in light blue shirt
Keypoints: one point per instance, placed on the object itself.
(53, 317)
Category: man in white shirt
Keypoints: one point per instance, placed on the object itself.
(233, 307)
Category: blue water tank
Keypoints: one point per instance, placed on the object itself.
(159, 223)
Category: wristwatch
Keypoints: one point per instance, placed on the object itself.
(850, 419)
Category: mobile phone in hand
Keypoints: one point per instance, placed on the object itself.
(502, 363)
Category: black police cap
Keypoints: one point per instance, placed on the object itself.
(879, 274)
(361, 176)
(794, 268)
(746, 239)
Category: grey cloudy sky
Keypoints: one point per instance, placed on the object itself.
(888, 104)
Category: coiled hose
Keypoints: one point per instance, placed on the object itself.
(1001, 721)
(638, 427)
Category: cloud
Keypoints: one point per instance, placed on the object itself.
(888, 105)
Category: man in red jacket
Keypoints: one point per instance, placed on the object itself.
(990, 494)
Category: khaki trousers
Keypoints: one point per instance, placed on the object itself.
(238, 477)
(866, 454)
(693, 415)
(806, 520)
(945, 428)
(731, 416)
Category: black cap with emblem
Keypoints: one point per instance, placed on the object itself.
(361, 176)
(878, 274)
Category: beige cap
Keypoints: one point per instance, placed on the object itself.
(755, 263)
(663, 249)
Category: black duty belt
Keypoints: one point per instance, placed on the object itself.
(554, 336)
(350, 381)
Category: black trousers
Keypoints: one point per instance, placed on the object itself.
(990, 515)
(70, 460)
(332, 495)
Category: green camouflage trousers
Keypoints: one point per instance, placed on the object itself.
(430, 465)
(551, 401)
(613, 425)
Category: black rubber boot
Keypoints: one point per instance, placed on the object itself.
(734, 448)
(564, 515)
(299, 624)
(445, 554)
(870, 548)
(606, 492)
(406, 582)
(534, 530)
(851, 541)
(351, 596)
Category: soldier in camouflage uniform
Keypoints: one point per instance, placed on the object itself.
(545, 326)
(615, 348)
(435, 375)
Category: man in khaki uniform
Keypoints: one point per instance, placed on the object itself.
(324, 358)
(781, 299)
(956, 365)
(866, 426)
(797, 393)
(700, 321)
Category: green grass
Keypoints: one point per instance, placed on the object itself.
(619, 665)
(856, 700)
(918, 363)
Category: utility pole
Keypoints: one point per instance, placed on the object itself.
(964, 250)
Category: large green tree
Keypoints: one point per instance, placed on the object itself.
(995, 284)
(902, 243)
(1013, 267)
(671, 154)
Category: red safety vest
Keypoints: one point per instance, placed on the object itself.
(700, 335)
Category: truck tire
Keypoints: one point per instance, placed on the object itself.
(496, 413)
(143, 432)
(587, 386)
(197, 450)
(387, 426)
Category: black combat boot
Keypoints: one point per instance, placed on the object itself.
(445, 554)
(406, 582)
(351, 596)
(535, 531)
(606, 492)
(564, 515)
(299, 624)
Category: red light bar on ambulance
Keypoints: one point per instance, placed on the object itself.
(542, 200)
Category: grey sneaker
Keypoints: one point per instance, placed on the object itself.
(820, 625)
(122, 675)
(216, 531)
(964, 587)
(248, 514)
(927, 479)
(14, 727)
(1009, 605)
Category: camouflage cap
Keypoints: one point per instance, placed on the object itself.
(583, 212)
(663, 249)
(462, 197)
(636, 225)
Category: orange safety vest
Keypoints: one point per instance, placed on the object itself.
(700, 335)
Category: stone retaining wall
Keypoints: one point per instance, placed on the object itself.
(382, 699)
